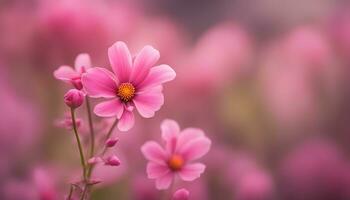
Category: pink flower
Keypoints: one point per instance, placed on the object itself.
(112, 161)
(67, 123)
(111, 142)
(181, 148)
(73, 76)
(74, 98)
(181, 194)
(134, 83)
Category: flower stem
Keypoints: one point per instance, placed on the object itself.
(70, 192)
(109, 133)
(82, 159)
(91, 126)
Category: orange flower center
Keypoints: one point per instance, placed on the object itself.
(126, 91)
(176, 162)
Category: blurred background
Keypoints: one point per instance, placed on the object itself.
(268, 81)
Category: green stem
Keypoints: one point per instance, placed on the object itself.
(82, 159)
(91, 126)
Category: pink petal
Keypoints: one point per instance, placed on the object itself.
(142, 64)
(195, 148)
(99, 82)
(191, 172)
(147, 103)
(82, 63)
(126, 121)
(120, 59)
(111, 108)
(154, 152)
(155, 170)
(188, 135)
(164, 182)
(65, 73)
(181, 194)
(170, 129)
(158, 75)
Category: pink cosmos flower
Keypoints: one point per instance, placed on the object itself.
(134, 83)
(73, 76)
(181, 148)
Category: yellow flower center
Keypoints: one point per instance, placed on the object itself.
(176, 162)
(126, 91)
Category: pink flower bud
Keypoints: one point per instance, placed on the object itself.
(77, 83)
(94, 160)
(111, 142)
(181, 194)
(74, 98)
(112, 161)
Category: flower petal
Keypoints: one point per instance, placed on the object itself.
(120, 59)
(155, 170)
(195, 148)
(181, 194)
(109, 108)
(82, 63)
(154, 152)
(147, 103)
(191, 172)
(99, 82)
(170, 129)
(158, 75)
(146, 59)
(126, 121)
(164, 182)
(189, 134)
(65, 73)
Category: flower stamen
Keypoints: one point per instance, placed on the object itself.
(176, 162)
(126, 91)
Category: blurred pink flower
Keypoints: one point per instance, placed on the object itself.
(142, 189)
(134, 84)
(181, 148)
(66, 122)
(283, 79)
(255, 185)
(307, 45)
(73, 76)
(181, 194)
(315, 169)
(340, 30)
(45, 184)
(219, 57)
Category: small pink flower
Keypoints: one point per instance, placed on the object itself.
(74, 98)
(112, 161)
(94, 160)
(73, 76)
(111, 142)
(181, 194)
(67, 123)
(181, 148)
(134, 83)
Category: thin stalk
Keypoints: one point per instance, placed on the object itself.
(70, 192)
(109, 133)
(91, 126)
(82, 159)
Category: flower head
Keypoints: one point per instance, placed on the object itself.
(133, 83)
(73, 76)
(74, 98)
(182, 147)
